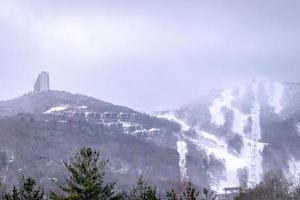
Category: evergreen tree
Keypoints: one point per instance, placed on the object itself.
(190, 193)
(86, 172)
(142, 191)
(208, 195)
(172, 195)
(27, 191)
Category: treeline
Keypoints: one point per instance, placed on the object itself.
(85, 182)
(274, 186)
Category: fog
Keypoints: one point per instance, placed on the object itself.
(148, 55)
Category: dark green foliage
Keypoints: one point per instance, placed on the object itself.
(172, 195)
(85, 182)
(208, 195)
(27, 191)
(13, 196)
(86, 172)
(191, 193)
(54, 196)
(142, 191)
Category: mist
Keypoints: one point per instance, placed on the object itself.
(148, 56)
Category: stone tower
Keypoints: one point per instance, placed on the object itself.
(42, 83)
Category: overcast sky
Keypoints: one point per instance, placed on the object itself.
(147, 54)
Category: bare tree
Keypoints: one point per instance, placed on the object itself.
(2, 188)
(273, 187)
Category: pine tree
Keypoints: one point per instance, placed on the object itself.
(27, 191)
(172, 195)
(86, 172)
(208, 195)
(142, 191)
(190, 193)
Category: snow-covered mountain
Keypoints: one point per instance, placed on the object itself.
(39, 130)
(253, 128)
(223, 139)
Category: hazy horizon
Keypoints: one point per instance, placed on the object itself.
(147, 56)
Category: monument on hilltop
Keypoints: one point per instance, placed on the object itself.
(42, 83)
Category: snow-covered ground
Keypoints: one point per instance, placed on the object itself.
(62, 108)
(294, 168)
(275, 92)
(216, 146)
(182, 151)
(250, 156)
(171, 117)
(56, 109)
(225, 101)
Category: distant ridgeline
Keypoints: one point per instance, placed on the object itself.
(42, 83)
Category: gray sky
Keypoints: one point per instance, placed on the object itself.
(147, 54)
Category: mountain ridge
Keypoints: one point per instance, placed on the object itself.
(208, 141)
(39, 126)
(60, 97)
